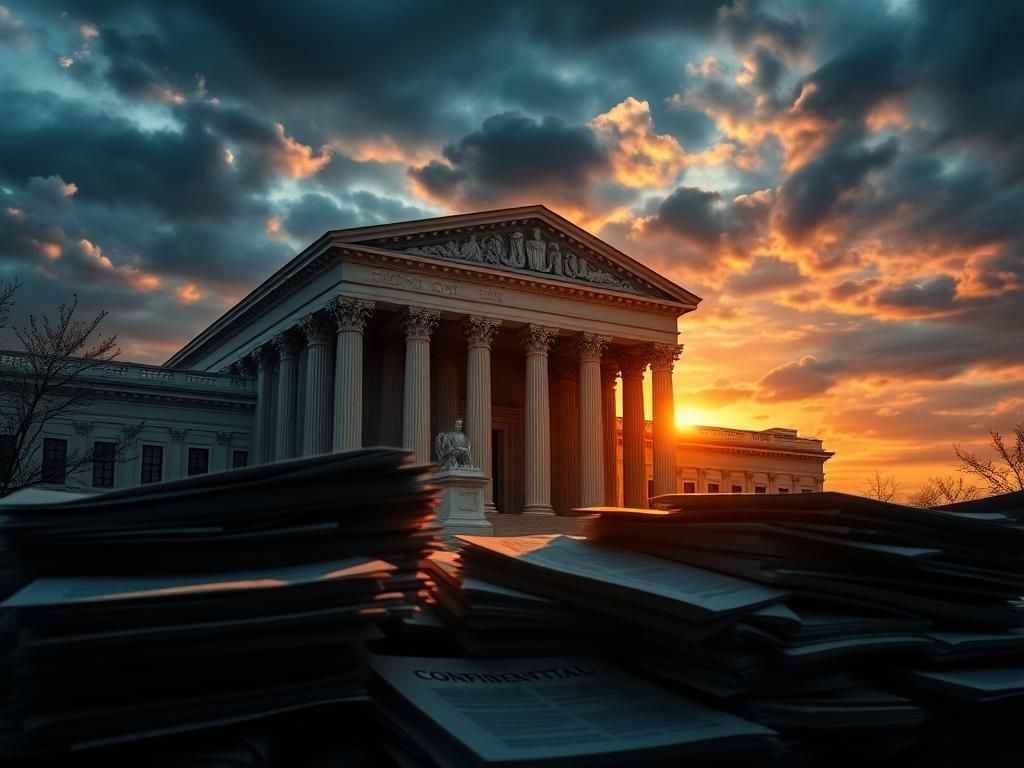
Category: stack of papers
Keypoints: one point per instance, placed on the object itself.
(897, 616)
(561, 711)
(210, 600)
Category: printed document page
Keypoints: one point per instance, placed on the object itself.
(705, 590)
(547, 708)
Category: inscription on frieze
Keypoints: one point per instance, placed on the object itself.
(408, 282)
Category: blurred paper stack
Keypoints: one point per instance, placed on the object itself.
(210, 600)
(898, 616)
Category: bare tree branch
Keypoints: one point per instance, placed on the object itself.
(937, 491)
(45, 378)
(881, 487)
(1006, 473)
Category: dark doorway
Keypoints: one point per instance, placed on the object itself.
(498, 468)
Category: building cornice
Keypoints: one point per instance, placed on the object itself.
(321, 255)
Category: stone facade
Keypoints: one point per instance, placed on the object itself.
(515, 320)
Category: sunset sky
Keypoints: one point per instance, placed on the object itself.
(842, 182)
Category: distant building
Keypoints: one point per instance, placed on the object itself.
(724, 460)
(515, 320)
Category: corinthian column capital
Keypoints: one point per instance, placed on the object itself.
(288, 344)
(633, 363)
(265, 357)
(537, 339)
(350, 314)
(419, 323)
(591, 346)
(479, 331)
(316, 327)
(664, 356)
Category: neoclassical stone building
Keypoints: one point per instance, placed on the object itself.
(386, 334)
(515, 320)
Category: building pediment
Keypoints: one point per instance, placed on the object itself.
(532, 241)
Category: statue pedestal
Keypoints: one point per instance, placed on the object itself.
(462, 502)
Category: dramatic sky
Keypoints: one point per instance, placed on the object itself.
(842, 182)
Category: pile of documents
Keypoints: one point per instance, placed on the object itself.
(896, 617)
(205, 601)
(562, 711)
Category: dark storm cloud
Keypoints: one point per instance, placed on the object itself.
(314, 213)
(691, 214)
(703, 219)
(809, 196)
(513, 154)
(180, 173)
(798, 379)
(766, 274)
(933, 294)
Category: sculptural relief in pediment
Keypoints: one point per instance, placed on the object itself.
(528, 250)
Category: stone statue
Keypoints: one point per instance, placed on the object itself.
(535, 253)
(517, 253)
(451, 449)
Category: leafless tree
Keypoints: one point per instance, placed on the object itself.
(1005, 474)
(43, 378)
(881, 487)
(943, 490)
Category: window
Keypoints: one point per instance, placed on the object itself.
(712, 487)
(760, 489)
(806, 490)
(239, 459)
(198, 461)
(55, 460)
(6, 454)
(152, 463)
(783, 490)
(689, 487)
(103, 464)
(737, 489)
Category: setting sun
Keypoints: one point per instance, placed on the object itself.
(688, 418)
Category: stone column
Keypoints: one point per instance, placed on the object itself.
(419, 324)
(263, 438)
(537, 341)
(479, 332)
(287, 345)
(350, 316)
(392, 374)
(316, 423)
(444, 389)
(592, 458)
(634, 475)
(663, 357)
(609, 375)
(563, 376)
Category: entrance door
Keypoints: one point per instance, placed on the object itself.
(498, 453)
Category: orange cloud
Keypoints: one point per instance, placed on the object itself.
(187, 294)
(383, 149)
(296, 160)
(132, 276)
(50, 250)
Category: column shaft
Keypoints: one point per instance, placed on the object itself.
(591, 409)
(610, 446)
(316, 425)
(479, 332)
(419, 324)
(287, 345)
(537, 416)
(350, 317)
(634, 475)
(263, 443)
(663, 358)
